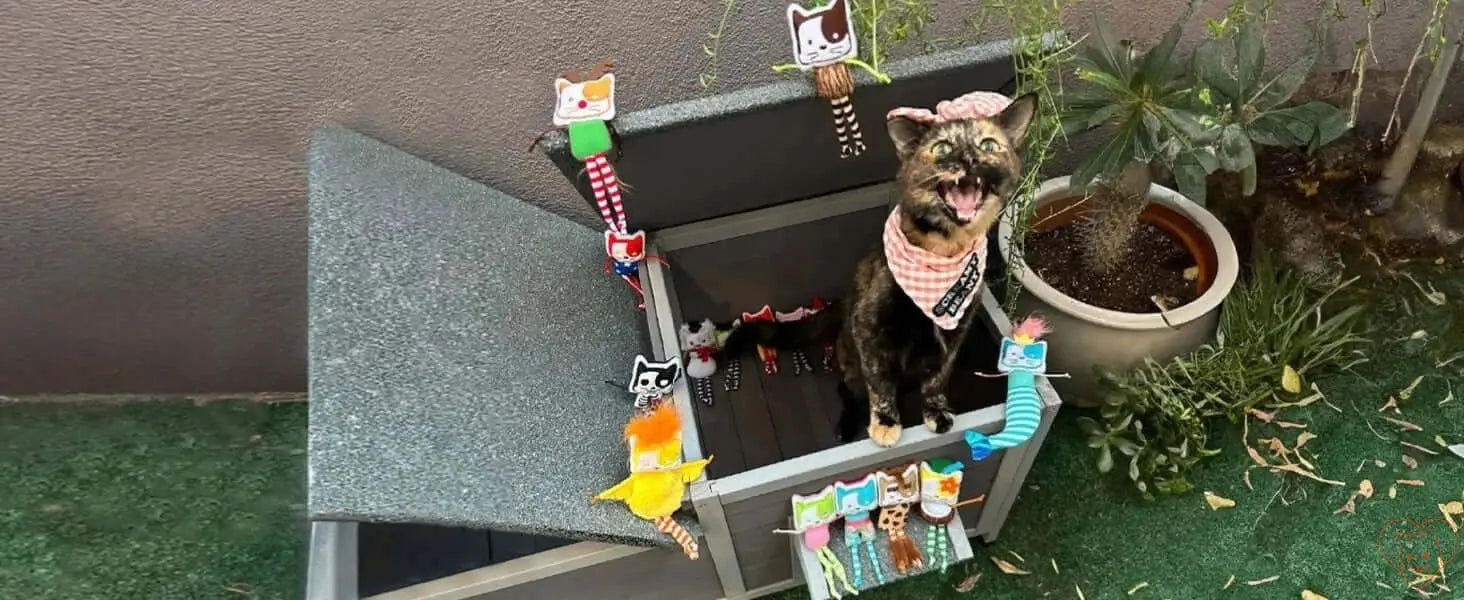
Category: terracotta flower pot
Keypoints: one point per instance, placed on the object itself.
(1084, 335)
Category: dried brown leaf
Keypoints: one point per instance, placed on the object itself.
(1404, 424)
(1407, 392)
(1276, 446)
(1310, 595)
(1380, 464)
(1306, 436)
(1054, 567)
(1228, 582)
(1140, 586)
(1365, 488)
(1412, 482)
(1349, 508)
(1391, 403)
(1080, 592)
(1420, 448)
(1290, 425)
(1008, 568)
(1017, 556)
(1457, 449)
(1304, 473)
(1410, 461)
(1439, 439)
(968, 584)
(1392, 491)
(1265, 417)
(1256, 456)
(1246, 477)
(1449, 510)
(1263, 581)
(1218, 502)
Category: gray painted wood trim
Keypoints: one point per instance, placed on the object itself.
(331, 574)
(513, 573)
(774, 217)
(663, 319)
(719, 546)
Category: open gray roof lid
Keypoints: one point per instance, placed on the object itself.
(460, 341)
(763, 146)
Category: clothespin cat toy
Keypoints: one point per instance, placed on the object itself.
(899, 490)
(699, 340)
(651, 382)
(800, 358)
(856, 501)
(584, 106)
(824, 42)
(732, 377)
(940, 486)
(816, 306)
(768, 354)
(812, 515)
(658, 478)
(1022, 358)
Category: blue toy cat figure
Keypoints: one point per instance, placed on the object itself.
(856, 500)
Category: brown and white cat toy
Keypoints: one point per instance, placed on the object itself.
(899, 492)
(824, 42)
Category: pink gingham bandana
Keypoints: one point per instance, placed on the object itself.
(943, 287)
(974, 105)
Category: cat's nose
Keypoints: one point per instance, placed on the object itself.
(823, 47)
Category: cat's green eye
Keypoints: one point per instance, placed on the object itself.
(990, 145)
(940, 149)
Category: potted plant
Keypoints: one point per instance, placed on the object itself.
(1128, 269)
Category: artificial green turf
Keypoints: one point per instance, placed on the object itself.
(170, 501)
(152, 501)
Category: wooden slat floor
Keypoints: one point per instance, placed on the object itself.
(776, 417)
(396, 555)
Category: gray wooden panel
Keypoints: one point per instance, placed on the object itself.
(766, 556)
(772, 144)
(658, 574)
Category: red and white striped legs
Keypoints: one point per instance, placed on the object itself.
(670, 527)
(607, 191)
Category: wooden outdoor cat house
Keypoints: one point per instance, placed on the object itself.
(461, 340)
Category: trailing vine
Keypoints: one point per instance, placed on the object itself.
(713, 48)
(1040, 53)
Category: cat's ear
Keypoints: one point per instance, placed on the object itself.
(1017, 117)
(641, 363)
(796, 16)
(906, 134)
(560, 84)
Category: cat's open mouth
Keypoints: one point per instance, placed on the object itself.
(963, 196)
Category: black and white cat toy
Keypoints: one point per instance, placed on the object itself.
(651, 382)
(699, 340)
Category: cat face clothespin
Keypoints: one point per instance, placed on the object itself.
(768, 354)
(651, 382)
(816, 306)
(800, 358)
(1022, 357)
(824, 42)
(856, 500)
(940, 487)
(899, 490)
(584, 105)
(658, 478)
(699, 340)
(812, 515)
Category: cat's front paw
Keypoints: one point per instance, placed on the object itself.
(884, 435)
(939, 421)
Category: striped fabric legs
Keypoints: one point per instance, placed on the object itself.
(851, 140)
(670, 527)
(607, 191)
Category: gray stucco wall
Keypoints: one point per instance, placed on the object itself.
(152, 183)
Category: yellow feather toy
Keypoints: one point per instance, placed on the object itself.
(658, 478)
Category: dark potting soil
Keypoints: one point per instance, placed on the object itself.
(1155, 267)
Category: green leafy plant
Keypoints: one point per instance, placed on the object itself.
(1158, 418)
(1251, 109)
(713, 46)
(1145, 106)
(884, 24)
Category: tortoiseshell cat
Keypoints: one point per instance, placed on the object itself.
(953, 179)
